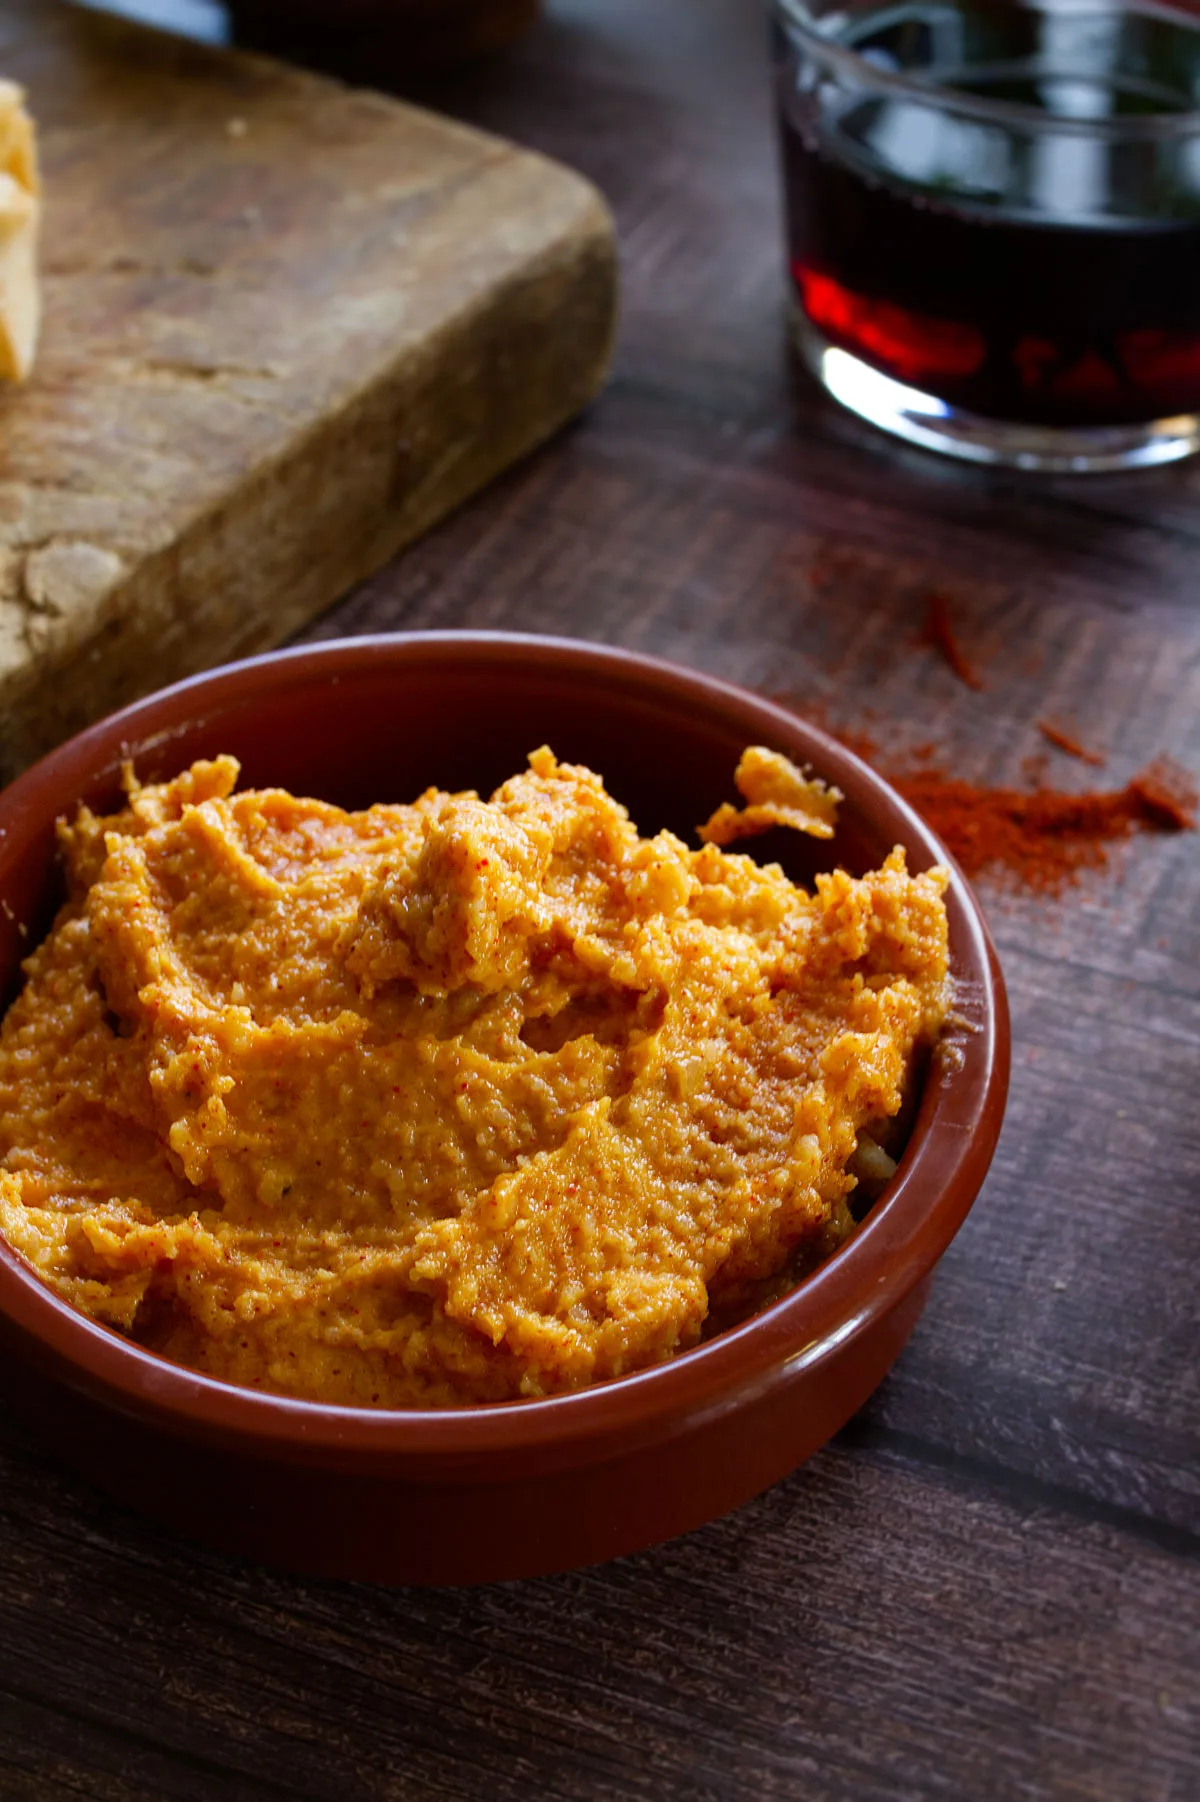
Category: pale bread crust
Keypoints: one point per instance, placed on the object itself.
(20, 218)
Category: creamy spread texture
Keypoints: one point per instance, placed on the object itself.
(454, 1102)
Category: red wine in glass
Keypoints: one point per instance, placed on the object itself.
(999, 205)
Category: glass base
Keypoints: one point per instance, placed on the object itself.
(935, 425)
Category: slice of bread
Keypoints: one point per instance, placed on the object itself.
(20, 216)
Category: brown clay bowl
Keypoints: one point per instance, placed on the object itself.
(527, 1487)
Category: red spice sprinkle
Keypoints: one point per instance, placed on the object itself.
(1040, 836)
(1044, 837)
(1064, 742)
(940, 634)
(1168, 794)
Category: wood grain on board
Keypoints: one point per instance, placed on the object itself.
(287, 327)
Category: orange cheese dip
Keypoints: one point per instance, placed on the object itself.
(448, 1103)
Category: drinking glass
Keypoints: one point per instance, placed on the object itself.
(993, 218)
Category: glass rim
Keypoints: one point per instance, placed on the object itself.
(801, 20)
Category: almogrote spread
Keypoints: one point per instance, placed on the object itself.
(455, 1102)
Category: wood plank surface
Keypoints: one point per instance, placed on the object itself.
(989, 1587)
(834, 1669)
(287, 327)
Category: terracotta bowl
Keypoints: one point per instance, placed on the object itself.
(527, 1487)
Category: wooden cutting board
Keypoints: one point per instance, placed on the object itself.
(288, 325)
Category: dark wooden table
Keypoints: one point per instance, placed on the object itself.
(988, 1586)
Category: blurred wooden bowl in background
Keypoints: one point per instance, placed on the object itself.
(404, 34)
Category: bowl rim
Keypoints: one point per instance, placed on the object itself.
(903, 1236)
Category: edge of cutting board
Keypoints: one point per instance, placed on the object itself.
(169, 500)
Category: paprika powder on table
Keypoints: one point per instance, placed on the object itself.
(1045, 836)
(1040, 837)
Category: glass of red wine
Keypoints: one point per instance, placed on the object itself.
(993, 215)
